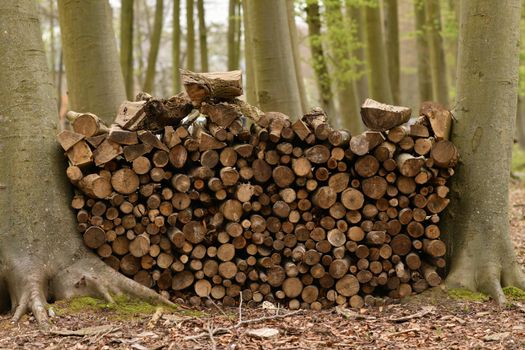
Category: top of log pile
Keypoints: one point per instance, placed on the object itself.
(381, 117)
(212, 86)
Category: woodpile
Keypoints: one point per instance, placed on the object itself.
(204, 196)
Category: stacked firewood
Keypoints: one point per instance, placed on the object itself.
(204, 196)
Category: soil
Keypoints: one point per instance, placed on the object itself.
(434, 320)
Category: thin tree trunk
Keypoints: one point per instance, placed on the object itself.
(238, 33)
(423, 53)
(324, 85)
(341, 44)
(276, 83)
(378, 77)
(437, 54)
(139, 39)
(154, 47)
(392, 46)
(482, 256)
(202, 36)
(232, 23)
(520, 123)
(251, 94)
(126, 45)
(296, 54)
(176, 46)
(94, 76)
(190, 36)
(355, 14)
(59, 91)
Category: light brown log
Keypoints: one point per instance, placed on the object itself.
(80, 154)
(202, 288)
(95, 186)
(68, 139)
(182, 280)
(94, 237)
(317, 154)
(439, 117)
(86, 124)
(121, 136)
(347, 286)
(381, 117)
(324, 197)
(374, 187)
(292, 287)
(409, 165)
(444, 154)
(363, 143)
(214, 85)
(125, 181)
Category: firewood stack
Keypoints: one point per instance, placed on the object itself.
(204, 196)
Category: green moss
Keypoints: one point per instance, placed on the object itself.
(465, 294)
(122, 305)
(513, 293)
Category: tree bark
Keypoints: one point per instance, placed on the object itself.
(437, 54)
(324, 86)
(126, 45)
(154, 47)
(251, 95)
(42, 255)
(482, 257)
(190, 36)
(341, 41)
(202, 36)
(233, 62)
(423, 53)
(392, 46)
(290, 11)
(378, 77)
(175, 51)
(356, 16)
(94, 76)
(276, 82)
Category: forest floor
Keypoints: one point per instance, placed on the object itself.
(435, 320)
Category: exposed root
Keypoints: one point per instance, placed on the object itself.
(91, 277)
(88, 276)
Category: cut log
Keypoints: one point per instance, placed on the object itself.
(80, 154)
(212, 86)
(106, 152)
(363, 143)
(125, 181)
(444, 154)
(68, 139)
(381, 117)
(439, 117)
(86, 124)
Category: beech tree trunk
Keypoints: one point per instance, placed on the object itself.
(437, 54)
(190, 35)
(251, 95)
(324, 85)
(175, 51)
(202, 36)
(423, 53)
(233, 19)
(392, 46)
(94, 85)
(341, 46)
(154, 47)
(41, 255)
(482, 257)
(290, 11)
(126, 45)
(357, 17)
(378, 77)
(276, 82)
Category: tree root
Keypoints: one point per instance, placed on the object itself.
(88, 276)
(489, 277)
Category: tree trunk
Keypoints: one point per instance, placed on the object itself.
(233, 62)
(520, 123)
(290, 11)
(52, 50)
(251, 95)
(190, 35)
(437, 54)
(276, 83)
(202, 36)
(356, 16)
(126, 45)
(154, 47)
(482, 257)
(324, 85)
(378, 78)
(42, 255)
(423, 53)
(342, 43)
(392, 46)
(176, 46)
(94, 84)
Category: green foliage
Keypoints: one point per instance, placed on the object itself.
(465, 294)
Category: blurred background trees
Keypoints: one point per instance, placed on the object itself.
(328, 53)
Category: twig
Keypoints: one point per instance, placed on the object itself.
(217, 306)
(223, 330)
(240, 309)
(425, 311)
(210, 334)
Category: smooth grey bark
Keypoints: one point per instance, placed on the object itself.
(357, 17)
(251, 94)
(203, 43)
(126, 45)
(290, 11)
(437, 54)
(94, 76)
(233, 30)
(481, 252)
(276, 82)
(42, 256)
(154, 47)
(423, 53)
(392, 47)
(190, 34)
